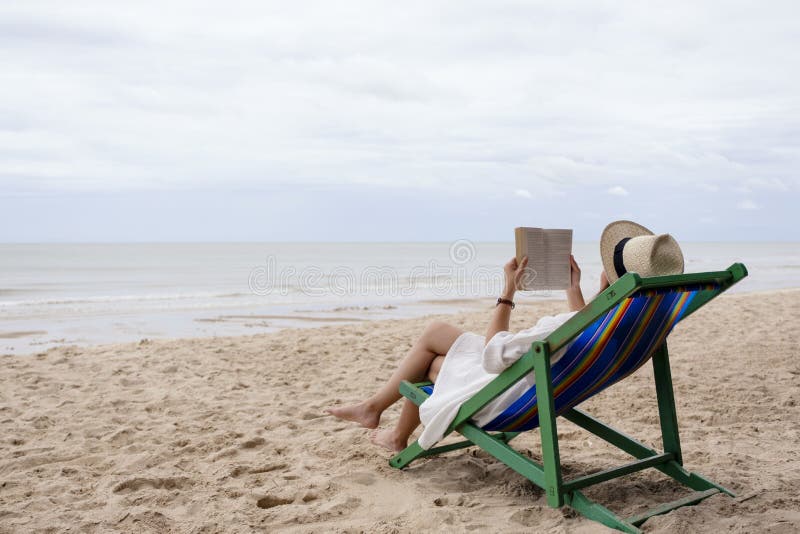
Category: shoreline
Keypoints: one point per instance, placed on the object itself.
(30, 338)
(304, 322)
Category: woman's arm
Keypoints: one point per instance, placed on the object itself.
(574, 293)
(502, 312)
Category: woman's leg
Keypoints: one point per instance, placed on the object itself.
(396, 439)
(434, 342)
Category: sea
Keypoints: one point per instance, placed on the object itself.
(87, 294)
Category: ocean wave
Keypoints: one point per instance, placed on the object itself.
(102, 299)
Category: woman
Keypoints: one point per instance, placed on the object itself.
(460, 364)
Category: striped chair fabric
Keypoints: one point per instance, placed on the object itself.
(613, 347)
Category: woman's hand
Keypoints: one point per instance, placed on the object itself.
(514, 272)
(574, 273)
(574, 293)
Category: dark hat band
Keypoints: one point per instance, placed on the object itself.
(619, 264)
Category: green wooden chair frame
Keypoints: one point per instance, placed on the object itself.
(548, 475)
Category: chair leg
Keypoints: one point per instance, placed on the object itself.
(597, 512)
(407, 455)
(639, 450)
(666, 403)
(547, 425)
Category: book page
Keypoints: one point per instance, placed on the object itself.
(548, 253)
(557, 246)
(533, 247)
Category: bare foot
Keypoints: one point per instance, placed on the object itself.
(387, 439)
(358, 413)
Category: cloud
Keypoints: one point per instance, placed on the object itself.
(39, 31)
(618, 190)
(141, 98)
(524, 193)
(257, 96)
(748, 205)
(762, 184)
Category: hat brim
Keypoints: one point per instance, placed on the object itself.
(613, 234)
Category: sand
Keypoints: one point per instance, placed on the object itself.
(229, 435)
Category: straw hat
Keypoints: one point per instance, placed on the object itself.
(629, 247)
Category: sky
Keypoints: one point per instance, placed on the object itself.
(397, 121)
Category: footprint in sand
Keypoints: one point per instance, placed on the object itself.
(42, 422)
(147, 520)
(169, 483)
(253, 443)
(271, 501)
(268, 468)
(240, 470)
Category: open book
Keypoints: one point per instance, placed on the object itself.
(548, 253)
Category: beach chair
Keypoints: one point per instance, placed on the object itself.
(626, 325)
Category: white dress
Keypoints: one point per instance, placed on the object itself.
(469, 366)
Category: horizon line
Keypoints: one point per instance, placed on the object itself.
(353, 242)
